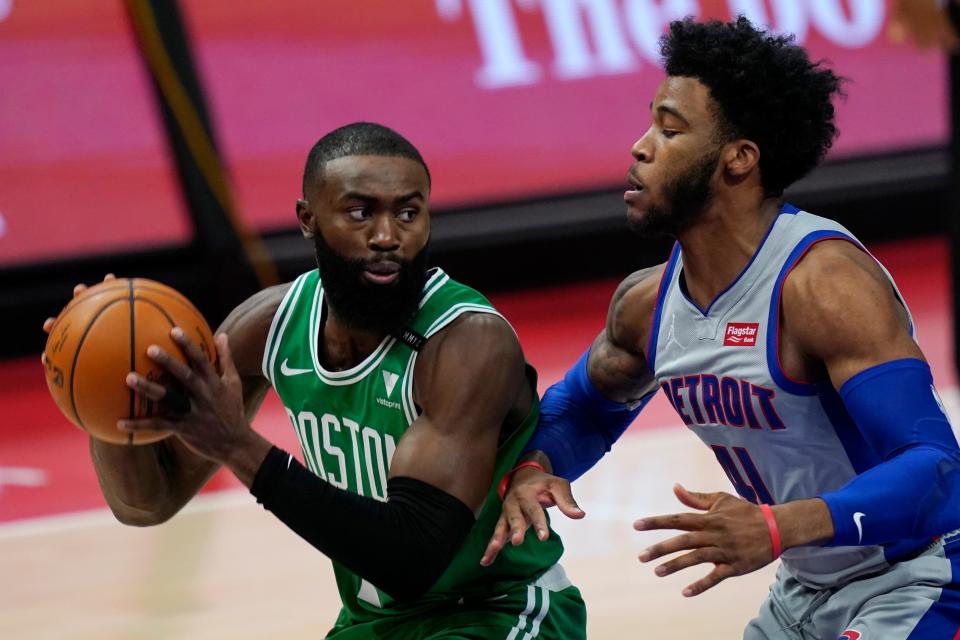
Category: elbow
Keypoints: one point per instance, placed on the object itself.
(134, 517)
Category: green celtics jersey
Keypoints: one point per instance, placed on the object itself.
(349, 424)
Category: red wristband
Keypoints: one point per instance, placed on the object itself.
(772, 527)
(505, 480)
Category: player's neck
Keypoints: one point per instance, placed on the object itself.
(343, 346)
(721, 244)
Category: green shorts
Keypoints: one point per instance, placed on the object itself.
(550, 609)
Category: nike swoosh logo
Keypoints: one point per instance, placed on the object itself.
(856, 520)
(289, 371)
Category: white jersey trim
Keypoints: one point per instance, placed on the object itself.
(275, 335)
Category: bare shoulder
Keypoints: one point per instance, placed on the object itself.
(631, 310)
(842, 309)
(835, 282)
(835, 265)
(477, 350)
(475, 337)
(248, 324)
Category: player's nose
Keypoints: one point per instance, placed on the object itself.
(384, 234)
(642, 150)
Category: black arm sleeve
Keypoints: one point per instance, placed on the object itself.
(402, 546)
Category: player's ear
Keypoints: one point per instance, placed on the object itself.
(305, 218)
(741, 156)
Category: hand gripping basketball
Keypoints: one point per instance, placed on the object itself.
(214, 424)
(100, 336)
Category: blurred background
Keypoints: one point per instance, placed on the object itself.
(166, 139)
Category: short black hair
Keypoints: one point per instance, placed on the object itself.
(766, 89)
(358, 139)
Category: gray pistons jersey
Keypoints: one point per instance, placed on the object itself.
(777, 439)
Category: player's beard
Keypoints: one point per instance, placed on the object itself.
(685, 196)
(377, 308)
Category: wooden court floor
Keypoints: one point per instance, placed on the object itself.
(224, 569)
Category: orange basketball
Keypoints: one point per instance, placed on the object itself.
(101, 336)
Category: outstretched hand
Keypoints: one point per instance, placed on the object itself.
(530, 493)
(732, 535)
(213, 423)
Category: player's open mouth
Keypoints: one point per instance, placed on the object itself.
(634, 190)
(382, 272)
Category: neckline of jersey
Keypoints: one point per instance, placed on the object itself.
(786, 208)
(368, 364)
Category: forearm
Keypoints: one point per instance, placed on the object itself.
(538, 456)
(803, 522)
(247, 456)
(402, 545)
(578, 425)
(147, 484)
(915, 494)
(914, 490)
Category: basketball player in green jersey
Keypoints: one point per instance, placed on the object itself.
(410, 397)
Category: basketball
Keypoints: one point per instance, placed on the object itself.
(101, 336)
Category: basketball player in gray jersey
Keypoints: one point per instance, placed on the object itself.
(783, 345)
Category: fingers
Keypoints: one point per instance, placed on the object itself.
(198, 361)
(536, 516)
(147, 424)
(77, 290)
(695, 500)
(180, 371)
(224, 356)
(497, 541)
(563, 498)
(173, 402)
(144, 387)
(516, 521)
(672, 545)
(80, 288)
(681, 521)
(712, 579)
(695, 557)
(690, 498)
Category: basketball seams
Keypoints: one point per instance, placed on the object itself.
(166, 315)
(133, 352)
(139, 284)
(76, 357)
(107, 287)
(172, 294)
(102, 317)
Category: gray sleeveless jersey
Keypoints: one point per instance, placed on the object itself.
(777, 439)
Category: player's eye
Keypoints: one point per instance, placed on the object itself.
(358, 213)
(407, 215)
(668, 133)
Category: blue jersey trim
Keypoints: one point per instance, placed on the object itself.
(789, 208)
(658, 309)
(706, 312)
(773, 318)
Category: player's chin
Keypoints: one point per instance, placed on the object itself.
(640, 220)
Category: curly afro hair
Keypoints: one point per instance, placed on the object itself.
(766, 90)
